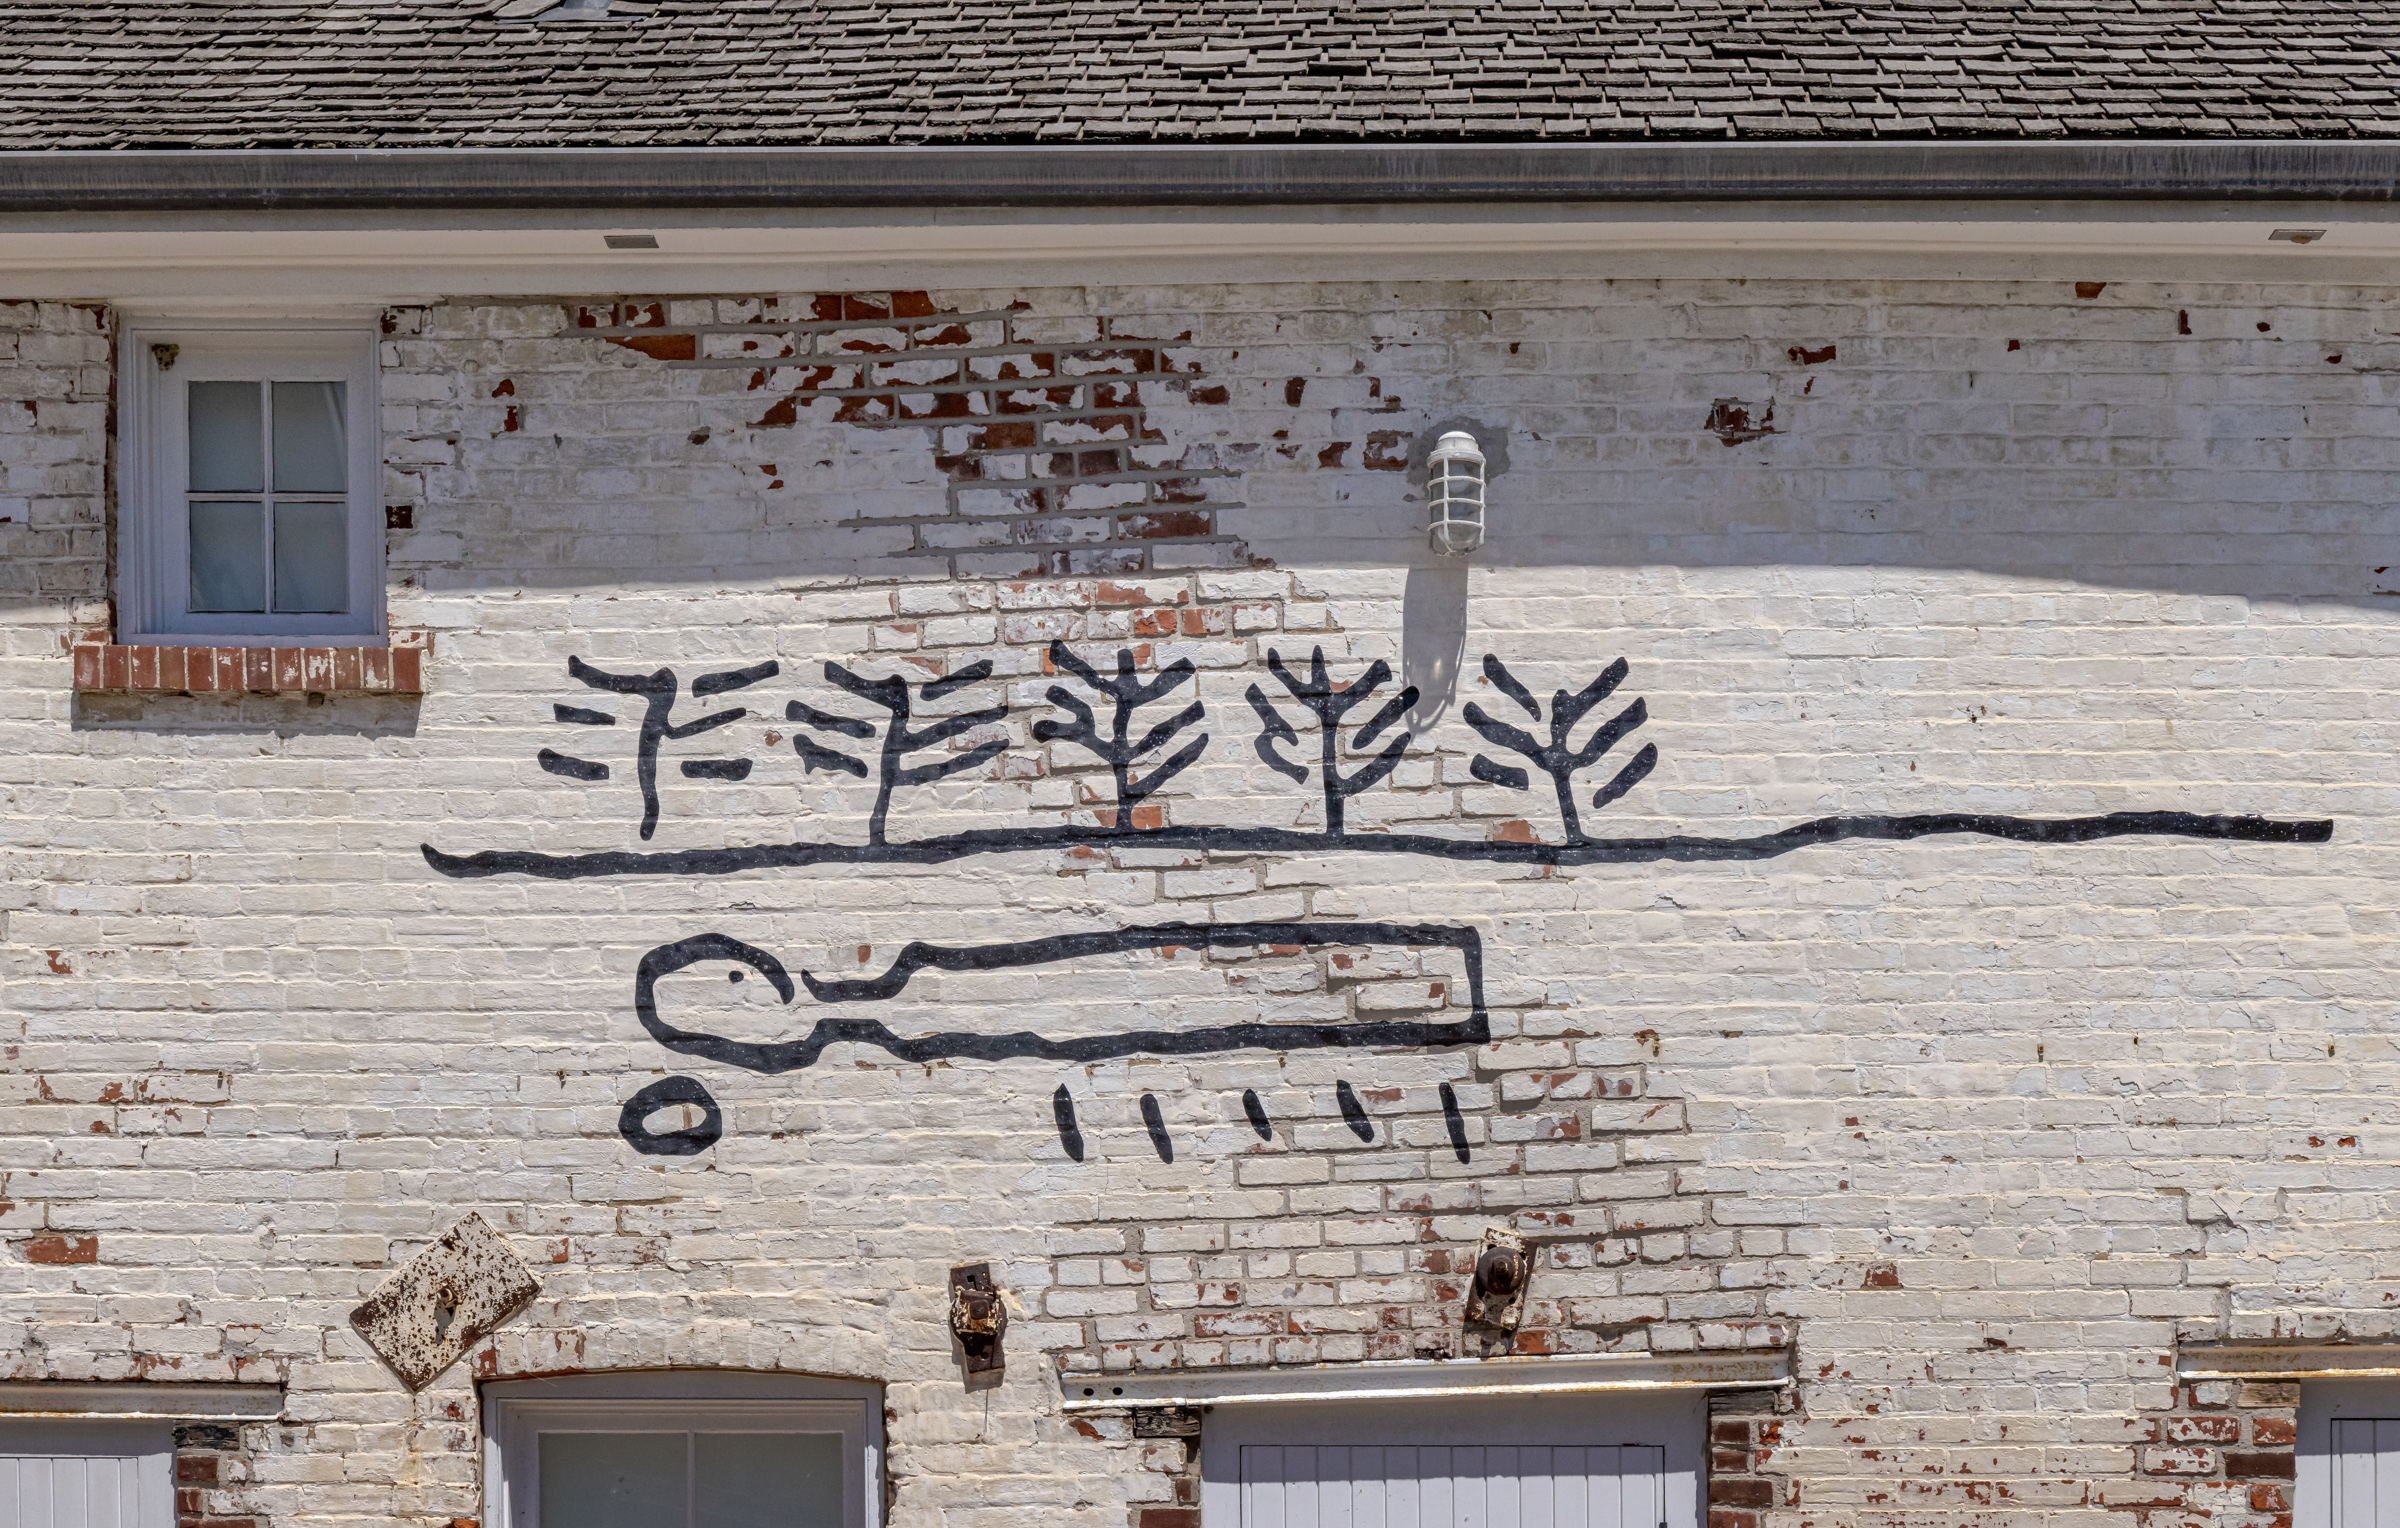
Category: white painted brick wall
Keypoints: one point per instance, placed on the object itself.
(1983, 1127)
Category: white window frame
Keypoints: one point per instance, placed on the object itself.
(517, 1412)
(1673, 1421)
(153, 525)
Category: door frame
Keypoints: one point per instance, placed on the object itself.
(148, 1442)
(1674, 1421)
(2322, 1403)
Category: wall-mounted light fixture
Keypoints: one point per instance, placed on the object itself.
(1454, 489)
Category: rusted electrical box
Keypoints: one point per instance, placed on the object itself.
(978, 1317)
(1502, 1266)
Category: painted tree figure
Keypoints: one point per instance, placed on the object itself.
(1330, 705)
(1555, 758)
(899, 739)
(657, 692)
(1126, 693)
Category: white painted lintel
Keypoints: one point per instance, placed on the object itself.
(135, 1399)
(1426, 1379)
(2290, 1361)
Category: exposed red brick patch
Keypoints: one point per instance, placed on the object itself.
(1054, 467)
(58, 963)
(1803, 356)
(2211, 1429)
(506, 389)
(61, 1249)
(2087, 290)
(1743, 1433)
(1171, 523)
(661, 347)
(1732, 421)
(1882, 1276)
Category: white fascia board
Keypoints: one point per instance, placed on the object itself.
(2297, 1361)
(1425, 1379)
(135, 1399)
(375, 257)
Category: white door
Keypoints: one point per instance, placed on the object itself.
(1434, 1486)
(87, 1475)
(2366, 1472)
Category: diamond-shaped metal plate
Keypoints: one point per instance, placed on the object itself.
(444, 1300)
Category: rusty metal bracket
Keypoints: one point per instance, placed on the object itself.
(1502, 1268)
(978, 1317)
(447, 1298)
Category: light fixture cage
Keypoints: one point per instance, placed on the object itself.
(1454, 492)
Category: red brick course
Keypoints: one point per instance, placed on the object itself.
(350, 670)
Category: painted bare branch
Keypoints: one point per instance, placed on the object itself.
(657, 691)
(1330, 705)
(899, 739)
(1126, 693)
(1555, 758)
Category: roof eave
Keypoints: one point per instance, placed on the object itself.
(2353, 170)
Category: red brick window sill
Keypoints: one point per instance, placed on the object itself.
(394, 670)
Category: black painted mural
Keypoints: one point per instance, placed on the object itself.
(1137, 728)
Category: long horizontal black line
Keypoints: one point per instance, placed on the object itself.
(1026, 1045)
(919, 956)
(1601, 851)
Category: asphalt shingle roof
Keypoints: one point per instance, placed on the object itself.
(464, 73)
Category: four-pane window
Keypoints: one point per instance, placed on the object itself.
(269, 496)
(250, 465)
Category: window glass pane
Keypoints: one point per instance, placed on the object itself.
(310, 456)
(767, 1480)
(229, 557)
(225, 438)
(613, 1480)
(312, 557)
